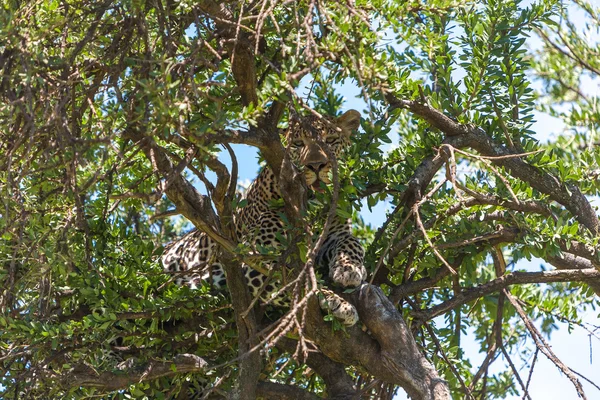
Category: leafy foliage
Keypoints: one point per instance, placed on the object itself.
(86, 209)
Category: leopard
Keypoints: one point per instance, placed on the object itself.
(310, 140)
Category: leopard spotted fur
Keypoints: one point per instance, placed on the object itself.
(259, 224)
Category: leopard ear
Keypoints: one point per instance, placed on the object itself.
(349, 121)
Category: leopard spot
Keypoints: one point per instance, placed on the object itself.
(256, 282)
(253, 273)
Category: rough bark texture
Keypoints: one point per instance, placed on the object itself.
(164, 83)
(390, 353)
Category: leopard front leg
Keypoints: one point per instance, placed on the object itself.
(346, 261)
(343, 254)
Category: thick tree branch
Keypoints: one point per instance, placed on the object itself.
(580, 249)
(421, 178)
(408, 288)
(502, 233)
(250, 361)
(187, 199)
(529, 206)
(571, 261)
(399, 351)
(241, 300)
(242, 54)
(197, 209)
(393, 357)
(437, 119)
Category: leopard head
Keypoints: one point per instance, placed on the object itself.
(307, 137)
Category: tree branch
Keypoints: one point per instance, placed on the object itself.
(460, 136)
(197, 209)
(468, 295)
(189, 202)
(82, 375)
(543, 346)
(242, 55)
(571, 261)
(339, 384)
(408, 288)
(279, 391)
(393, 356)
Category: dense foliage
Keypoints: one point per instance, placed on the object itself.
(111, 110)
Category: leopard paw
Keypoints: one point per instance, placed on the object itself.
(338, 307)
(348, 275)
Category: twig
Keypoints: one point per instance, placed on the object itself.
(542, 345)
(433, 247)
(448, 362)
(586, 379)
(515, 371)
(526, 393)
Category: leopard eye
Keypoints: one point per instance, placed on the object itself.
(331, 139)
(298, 143)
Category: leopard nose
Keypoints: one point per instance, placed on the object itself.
(315, 166)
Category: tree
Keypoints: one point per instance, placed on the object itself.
(114, 115)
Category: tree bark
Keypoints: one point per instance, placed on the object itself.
(390, 353)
